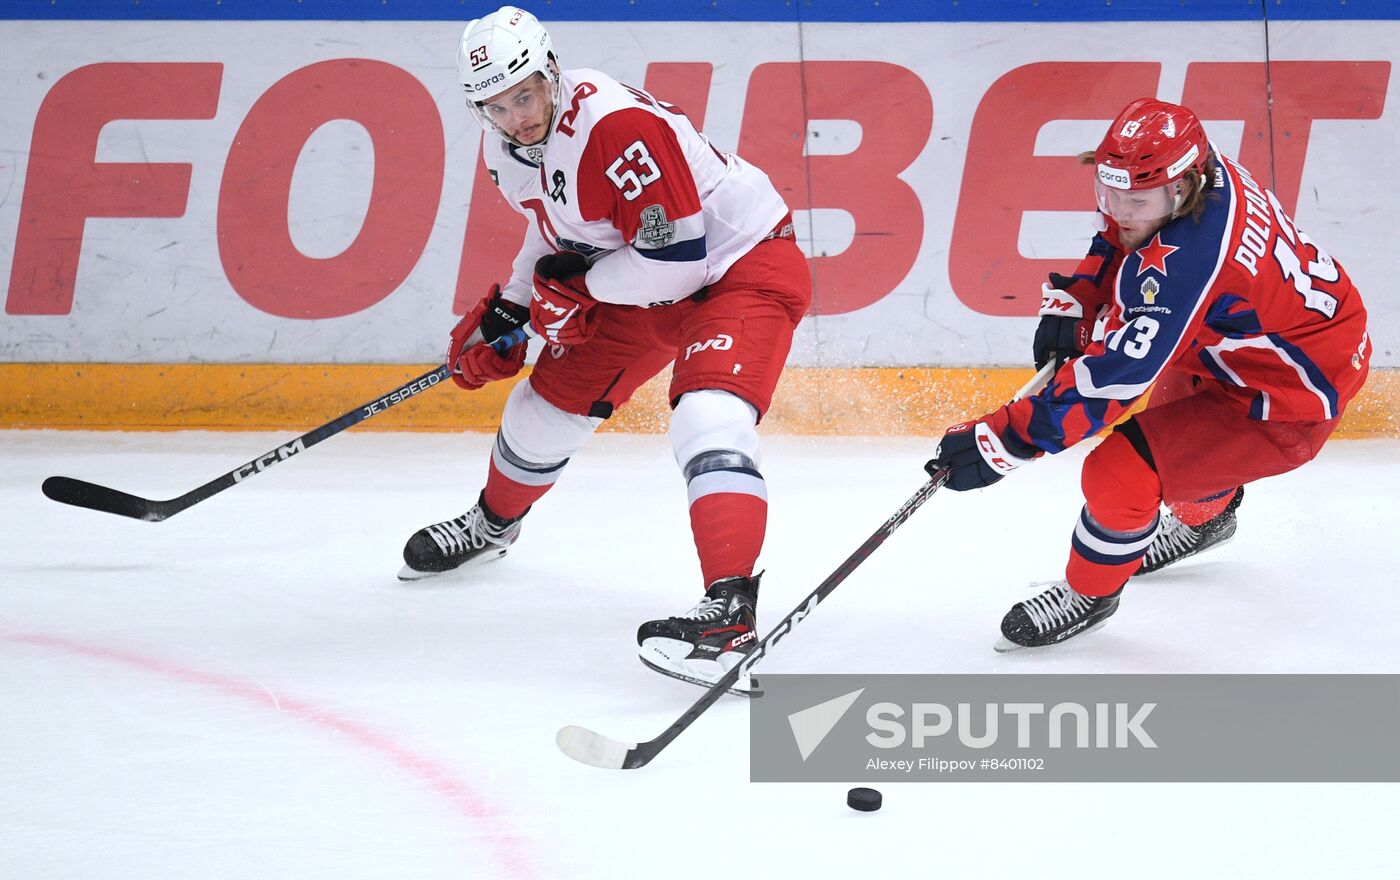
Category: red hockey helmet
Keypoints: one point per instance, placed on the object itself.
(1147, 151)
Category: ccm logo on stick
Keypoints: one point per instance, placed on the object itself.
(264, 462)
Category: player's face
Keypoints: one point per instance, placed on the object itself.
(1139, 213)
(522, 112)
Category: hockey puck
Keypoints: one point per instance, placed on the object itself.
(867, 800)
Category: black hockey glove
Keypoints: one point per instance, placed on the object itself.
(977, 454)
(1064, 330)
(561, 266)
(501, 317)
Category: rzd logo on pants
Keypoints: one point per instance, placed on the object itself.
(721, 342)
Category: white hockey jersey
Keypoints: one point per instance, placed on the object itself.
(627, 181)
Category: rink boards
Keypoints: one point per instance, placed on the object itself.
(290, 214)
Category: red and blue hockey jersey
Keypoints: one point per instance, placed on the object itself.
(1240, 296)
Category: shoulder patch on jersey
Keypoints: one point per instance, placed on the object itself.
(654, 229)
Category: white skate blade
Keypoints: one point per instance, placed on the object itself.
(593, 749)
(1006, 646)
(408, 575)
(704, 673)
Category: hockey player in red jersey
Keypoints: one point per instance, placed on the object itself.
(646, 245)
(1201, 288)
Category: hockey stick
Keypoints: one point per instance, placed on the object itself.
(79, 493)
(1037, 382)
(506, 341)
(588, 747)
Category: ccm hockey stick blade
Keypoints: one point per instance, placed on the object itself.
(80, 493)
(596, 750)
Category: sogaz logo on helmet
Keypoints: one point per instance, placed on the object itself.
(1114, 177)
(482, 85)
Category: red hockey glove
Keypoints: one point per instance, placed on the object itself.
(474, 362)
(561, 309)
(481, 364)
(977, 454)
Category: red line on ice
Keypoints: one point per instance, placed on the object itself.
(506, 849)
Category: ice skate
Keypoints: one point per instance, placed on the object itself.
(1175, 540)
(707, 641)
(1053, 616)
(473, 538)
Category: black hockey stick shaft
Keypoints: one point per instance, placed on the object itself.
(591, 748)
(641, 754)
(80, 493)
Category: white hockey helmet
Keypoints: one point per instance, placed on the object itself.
(498, 52)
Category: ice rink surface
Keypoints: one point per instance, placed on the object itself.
(246, 691)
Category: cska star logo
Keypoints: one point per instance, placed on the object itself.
(1154, 255)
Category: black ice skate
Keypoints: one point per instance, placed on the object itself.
(1055, 615)
(707, 641)
(475, 537)
(1175, 540)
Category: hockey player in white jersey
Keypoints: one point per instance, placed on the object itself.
(646, 245)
